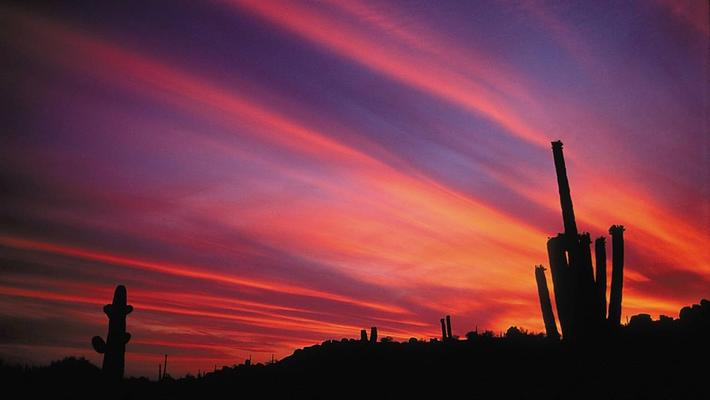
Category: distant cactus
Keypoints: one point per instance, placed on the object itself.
(373, 334)
(363, 335)
(114, 348)
(448, 326)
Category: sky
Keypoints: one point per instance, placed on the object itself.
(264, 176)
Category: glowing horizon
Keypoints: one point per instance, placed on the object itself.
(264, 176)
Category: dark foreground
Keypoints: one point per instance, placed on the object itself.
(667, 359)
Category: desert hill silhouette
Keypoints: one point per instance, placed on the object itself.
(647, 359)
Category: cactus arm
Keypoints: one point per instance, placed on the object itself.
(600, 254)
(129, 309)
(127, 337)
(617, 274)
(99, 344)
(548, 316)
(107, 310)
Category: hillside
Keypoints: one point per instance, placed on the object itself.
(646, 359)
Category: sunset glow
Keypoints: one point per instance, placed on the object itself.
(266, 175)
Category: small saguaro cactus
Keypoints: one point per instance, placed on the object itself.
(373, 334)
(114, 348)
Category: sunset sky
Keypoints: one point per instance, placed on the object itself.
(266, 175)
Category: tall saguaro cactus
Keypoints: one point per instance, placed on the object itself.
(114, 348)
(580, 291)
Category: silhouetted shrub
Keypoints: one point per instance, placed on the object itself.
(513, 332)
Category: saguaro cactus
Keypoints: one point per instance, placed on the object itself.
(443, 329)
(373, 334)
(363, 335)
(580, 291)
(114, 348)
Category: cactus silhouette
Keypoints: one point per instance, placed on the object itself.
(545, 304)
(165, 368)
(448, 327)
(617, 274)
(373, 334)
(580, 291)
(114, 348)
(600, 254)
